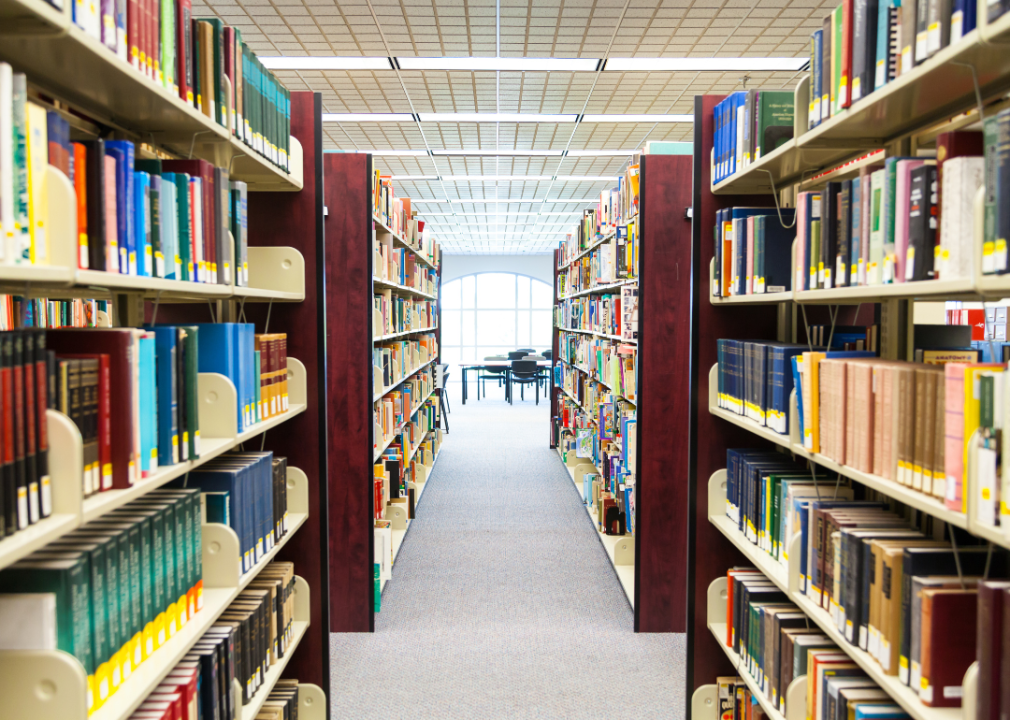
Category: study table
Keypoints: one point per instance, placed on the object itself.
(465, 368)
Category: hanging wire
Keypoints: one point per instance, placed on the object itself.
(834, 318)
(266, 325)
(154, 312)
(192, 142)
(210, 306)
(778, 208)
(957, 559)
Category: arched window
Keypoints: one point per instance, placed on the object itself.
(492, 314)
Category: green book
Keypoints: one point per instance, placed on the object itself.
(112, 596)
(774, 120)
(154, 520)
(130, 538)
(990, 140)
(167, 46)
(216, 507)
(68, 580)
(153, 168)
(190, 405)
(815, 252)
(986, 383)
(141, 524)
(170, 546)
(377, 586)
(184, 242)
(220, 96)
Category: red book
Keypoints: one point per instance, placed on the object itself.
(228, 39)
(20, 473)
(845, 86)
(121, 347)
(1004, 703)
(184, 49)
(7, 388)
(154, 42)
(948, 644)
(42, 431)
(31, 425)
(133, 32)
(990, 631)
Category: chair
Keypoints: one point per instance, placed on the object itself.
(496, 374)
(549, 354)
(518, 354)
(528, 351)
(525, 372)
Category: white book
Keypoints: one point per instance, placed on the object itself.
(28, 621)
(962, 177)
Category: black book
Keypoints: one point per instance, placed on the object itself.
(829, 234)
(95, 177)
(8, 489)
(843, 222)
(922, 215)
(20, 473)
(855, 579)
(210, 684)
(864, 47)
(393, 468)
(41, 426)
(31, 425)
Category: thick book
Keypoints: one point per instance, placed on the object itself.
(922, 223)
(123, 151)
(947, 650)
(864, 47)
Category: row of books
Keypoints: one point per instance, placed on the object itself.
(202, 60)
(248, 493)
(394, 361)
(863, 564)
(171, 219)
(863, 45)
(616, 207)
(753, 251)
(614, 366)
(397, 407)
(749, 124)
(608, 439)
(610, 262)
(595, 313)
(18, 312)
(393, 313)
(776, 644)
(252, 635)
(401, 266)
(112, 592)
(398, 471)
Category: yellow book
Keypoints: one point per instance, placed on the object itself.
(38, 161)
(972, 404)
(812, 424)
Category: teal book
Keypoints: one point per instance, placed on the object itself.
(166, 364)
(68, 580)
(888, 214)
(377, 585)
(183, 258)
(216, 504)
(169, 205)
(148, 406)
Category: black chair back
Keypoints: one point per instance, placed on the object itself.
(528, 351)
(522, 369)
(518, 354)
(549, 354)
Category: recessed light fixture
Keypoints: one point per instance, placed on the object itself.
(499, 153)
(495, 178)
(632, 118)
(504, 64)
(368, 117)
(601, 153)
(496, 117)
(413, 177)
(587, 178)
(324, 62)
(505, 212)
(698, 64)
(405, 153)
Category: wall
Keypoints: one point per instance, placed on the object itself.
(538, 266)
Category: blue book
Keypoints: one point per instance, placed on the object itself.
(880, 712)
(773, 245)
(740, 242)
(124, 203)
(781, 384)
(963, 19)
(813, 213)
(796, 384)
(148, 406)
(881, 71)
(170, 225)
(856, 261)
(717, 141)
(142, 221)
(218, 354)
(215, 477)
(168, 394)
(245, 347)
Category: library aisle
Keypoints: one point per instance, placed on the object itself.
(505, 604)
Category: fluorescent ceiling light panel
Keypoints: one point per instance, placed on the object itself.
(326, 62)
(499, 153)
(496, 117)
(587, 178)
(632, 118)
(413, 177)
(368, 117)
(695, 64)
(506, 64)
(407, 153)
(494, 178)
(504, 212)
(601, 153)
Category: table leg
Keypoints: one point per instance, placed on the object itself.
(464, 383)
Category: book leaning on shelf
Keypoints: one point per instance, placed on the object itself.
(749, 124)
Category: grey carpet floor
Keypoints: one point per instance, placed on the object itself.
(503, 603)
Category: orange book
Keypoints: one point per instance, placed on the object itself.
(81, 189)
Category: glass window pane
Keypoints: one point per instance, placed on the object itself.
(451, 355)
(543, 294)
(541, 329)
(451, 295)
(496, 327)
(467, 355)
(523, 337)
(450, 327)
(523, 293)
(496, 290)
(466, 326)
(484, 351)
(468, 283)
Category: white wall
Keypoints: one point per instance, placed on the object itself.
(538, 266)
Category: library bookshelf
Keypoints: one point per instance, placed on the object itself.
(355, 240)
(651, 563)
(901, 118)
(62, 63)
